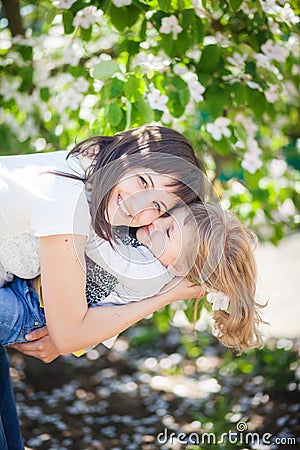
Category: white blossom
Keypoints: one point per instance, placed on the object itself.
(196, 88)
(237, 60)
(209, 40)
(180, 68)
(167, 117)
(81, 84)
(63, 4)
(149, 61)
(5, 40)
(274, 51)
(218, 300)
(222, 40)
(219, 128)
(253, 85)
(28, 129)
(274, 26)
(247, 10)
(194, 53)
(9, 88)
(251, 162)
(85, 17)
(269, 6)
(263, 61)
(271, 94)
(277, 167)
(250, 126)
(285, 211)
(71, 54)
(288, 15)
(98, 85)
(70, 98)
(290, 91)
(199, 9)
(170, 25)
(157, 101)
(282, 14)
(120, 3)
(252, 146)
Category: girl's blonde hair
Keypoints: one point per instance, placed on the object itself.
(224, 262)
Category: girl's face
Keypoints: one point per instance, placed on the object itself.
(169, 239)
(140, 197)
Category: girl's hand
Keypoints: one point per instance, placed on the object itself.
(39, 346)
(181, 289)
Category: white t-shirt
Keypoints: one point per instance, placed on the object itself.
(139, 273)
(35, 203)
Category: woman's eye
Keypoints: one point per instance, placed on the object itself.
(157, 206)
(143, 181)
(168, 233)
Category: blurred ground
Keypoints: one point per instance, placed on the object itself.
(279, 284)
(121, 399)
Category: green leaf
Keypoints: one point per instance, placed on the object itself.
(223, 146)
(216, 99)
(184, 96)
(189, 311)
(165, 5)
(174, 104)
(26, 52)
(134, 88)
(235, 4)
(210, 58)
(27, 79)
(144, 110)
(116, 88)
(86, 33)
(115, 114)
(68, 21)
(178, 82)
(123, 17)
(105, 69)
(45, 94)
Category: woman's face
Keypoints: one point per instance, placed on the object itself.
(140, 197)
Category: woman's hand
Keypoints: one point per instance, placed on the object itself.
(39, 345)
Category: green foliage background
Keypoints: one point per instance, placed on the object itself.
(124, 66)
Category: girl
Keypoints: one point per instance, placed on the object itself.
(201, 241)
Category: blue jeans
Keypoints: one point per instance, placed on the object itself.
(10, 435)
(20, 311)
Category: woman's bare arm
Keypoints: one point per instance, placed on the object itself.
(71, 324)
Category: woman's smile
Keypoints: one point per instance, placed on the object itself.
(123, 206)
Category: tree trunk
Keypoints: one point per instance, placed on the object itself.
(12, 13)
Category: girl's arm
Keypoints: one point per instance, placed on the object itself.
(71, 324)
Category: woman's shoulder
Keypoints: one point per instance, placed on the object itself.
(11, 162)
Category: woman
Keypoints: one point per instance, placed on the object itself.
(131, 179)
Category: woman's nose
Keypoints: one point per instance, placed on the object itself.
(141, 202)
